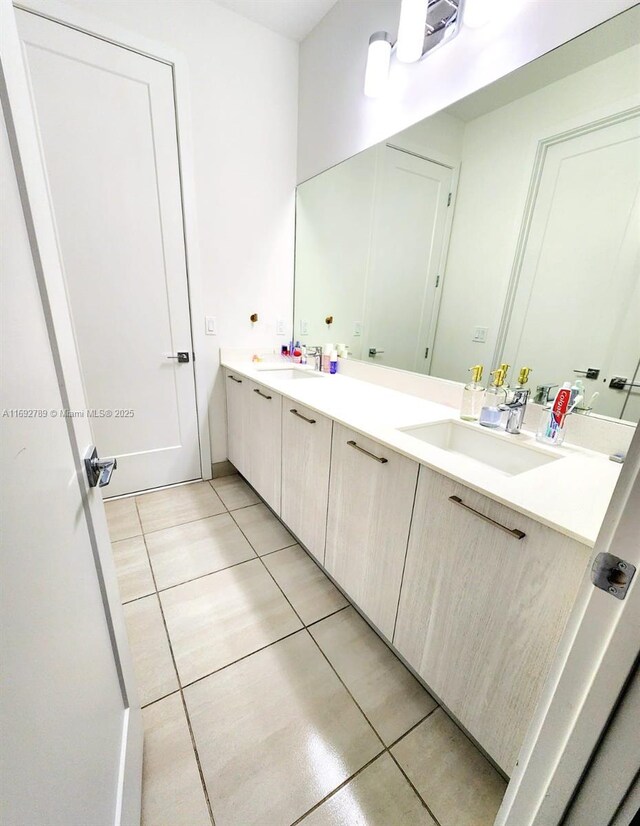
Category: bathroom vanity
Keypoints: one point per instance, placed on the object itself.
(463, 547)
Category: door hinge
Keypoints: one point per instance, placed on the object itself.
(437, 280)
(449, 200)
(612, 574)
(426, 353)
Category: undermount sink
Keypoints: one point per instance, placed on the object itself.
(482, 446)
(290, 373)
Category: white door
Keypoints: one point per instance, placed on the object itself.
(407, 252)
(578, 300)
(107, 125)
(71, 746)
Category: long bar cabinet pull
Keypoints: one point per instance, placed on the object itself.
(514, 532)
(380, 459)
(260, 393)
(300, 416)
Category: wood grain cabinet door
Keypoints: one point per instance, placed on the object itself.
(237, 388)
(481, 611)
(371, 496)
(306, 456)
(264, 443)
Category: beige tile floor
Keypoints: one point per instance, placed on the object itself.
(266, 698)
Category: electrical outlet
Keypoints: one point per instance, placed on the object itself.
(210, 326)
(280, 327)
(304, 327)
(357, 328)
(480, 335)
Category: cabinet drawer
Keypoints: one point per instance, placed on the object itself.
(481, 611)
(371, 495)
(306, 456)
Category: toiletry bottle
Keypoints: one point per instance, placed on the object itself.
(297, 353)
(505, 381)
(473, 396)
(577, 389)
(303, 357)
(326, 357)
(523, 378)
(333, 362)
(495, 395)
(553, 420)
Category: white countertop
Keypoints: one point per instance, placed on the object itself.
(570, 496)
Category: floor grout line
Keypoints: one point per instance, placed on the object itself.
(184, 704)
(338, 788)
(240, 659)
(304, 627)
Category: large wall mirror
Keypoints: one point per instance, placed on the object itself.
(503, 229)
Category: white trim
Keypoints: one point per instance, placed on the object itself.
(97, 27)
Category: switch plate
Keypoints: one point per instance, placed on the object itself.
(357, 328)
(280, 327)
(480, 334)
(210, 325)
(304, 327)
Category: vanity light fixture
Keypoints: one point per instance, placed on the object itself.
(411, 30)
(424, 24)
(378, 60)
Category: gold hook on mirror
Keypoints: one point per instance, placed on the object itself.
(253, 318)
(328, 320)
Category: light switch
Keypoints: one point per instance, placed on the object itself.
(480, 334)
(210, 325)
(304, 327)
(280, 327)
(357, 328)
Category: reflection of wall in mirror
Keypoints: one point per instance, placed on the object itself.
(497, 163)
(335, 216)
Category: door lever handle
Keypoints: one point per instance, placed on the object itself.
(99, 471)
(182, 356)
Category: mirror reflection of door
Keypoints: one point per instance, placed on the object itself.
(577, 304)
(408, 244)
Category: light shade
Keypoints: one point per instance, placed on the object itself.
(378, 59)
(411, 30)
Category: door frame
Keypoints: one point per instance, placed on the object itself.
(203, 366)
(31, 176)
(595, 659)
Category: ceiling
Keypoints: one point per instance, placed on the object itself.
(292, 18)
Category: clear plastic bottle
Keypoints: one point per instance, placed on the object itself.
(473, 396)
(495, 395)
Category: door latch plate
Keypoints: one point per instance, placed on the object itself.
(612, 574)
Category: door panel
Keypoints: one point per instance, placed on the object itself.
(406, 259)
(108, 132)
(306, 459)
(583, 247)
(371, 494)
(67, 729)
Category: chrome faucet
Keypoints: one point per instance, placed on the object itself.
(316, 352)
(516, 410)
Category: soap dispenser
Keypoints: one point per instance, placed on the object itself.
(472, 396)
(495, 395)
(505, 381)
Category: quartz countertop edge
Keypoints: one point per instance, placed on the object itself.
(570, 496)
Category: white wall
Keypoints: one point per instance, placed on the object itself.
(497, 163)
(336, 120)
(243, 88)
